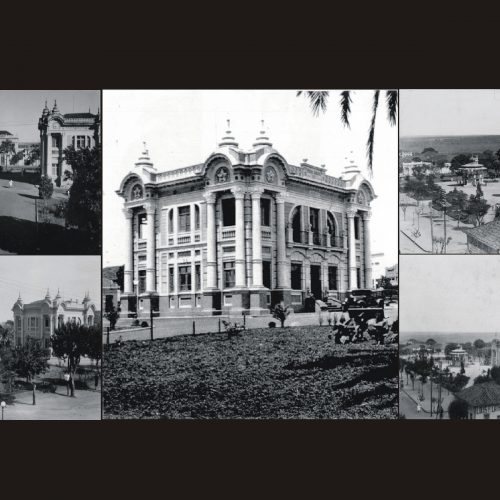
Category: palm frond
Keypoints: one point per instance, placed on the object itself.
(317, 99)
(391, 97)
(371, 134)
(345, 105)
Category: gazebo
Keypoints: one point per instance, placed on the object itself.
(458, 356)
(474, 169)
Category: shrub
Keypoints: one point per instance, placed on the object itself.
(144, 324)
(271, 324)
(136, 322)
(281, 313)
(232, 329)
(45, 188)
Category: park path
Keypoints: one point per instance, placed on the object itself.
(58, 406)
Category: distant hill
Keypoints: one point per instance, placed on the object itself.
(451, 145)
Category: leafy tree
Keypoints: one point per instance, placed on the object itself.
(428, 150)
(495, 374)
(33, 155)
(479, 344)
(30, 360)
(45, 188)
(70, 342)
(477, 208)
(319, 102)
(450, 347)
(430, 342)
(458, 161)
(95, 345)
(7, 147)
(281, 313)
(16, 157)
(458, 409)
(84, 204)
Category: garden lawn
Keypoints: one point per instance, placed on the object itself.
(262, 373)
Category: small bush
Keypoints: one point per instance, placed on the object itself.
(144, 324)
(45, 188)
(136, 322)
(271, 324)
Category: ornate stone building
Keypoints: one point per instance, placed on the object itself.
(58, 131)
(39, 319)
(242, 231)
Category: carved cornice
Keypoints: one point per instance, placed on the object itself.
(238, 192)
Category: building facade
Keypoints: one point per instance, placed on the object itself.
(39, 319)
(25, 160)
(58, 131)
(242, 231)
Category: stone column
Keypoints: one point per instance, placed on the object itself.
(352, 250)
(239, 196)
(151, 250)
(211, 242)
(367, 249)
(282, 264)
(129, 253)
(256, 238)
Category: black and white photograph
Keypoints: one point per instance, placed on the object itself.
(50, 337)
(250, 254)
(449, 346)
(449, 171)
(50, 172)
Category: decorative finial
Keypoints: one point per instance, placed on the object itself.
(228, 121)
(262, 124)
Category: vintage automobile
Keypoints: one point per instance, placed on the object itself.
(363, 297)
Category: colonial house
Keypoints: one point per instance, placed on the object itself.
(241, 231)
(59, 131)
(25, 160)
(483, 400)
(39, 319)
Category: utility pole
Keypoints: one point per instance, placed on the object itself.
(432, 227)
(151, 318)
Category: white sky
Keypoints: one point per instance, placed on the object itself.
(32, 275)
(449, 112)
(21, 109)
(449, 293)
(183, 128)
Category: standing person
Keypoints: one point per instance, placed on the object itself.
(11, 183)
(419, 408)
(66, 378)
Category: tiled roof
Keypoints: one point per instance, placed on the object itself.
(5, 132)
(36, 303)
(487, 394)
(488, 233)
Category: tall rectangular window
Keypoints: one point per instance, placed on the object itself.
(358, 277)
(141, 225)
(197, 277)
(332, 277)
(142, 281)
(80, 141)
(314, 219)
(266, 273)
(356, 227)
(265, 212)
(54, 169)
(196, 217)
(184, 219)
(184, 278)
(296, 276)
(228, 212)
(54, 142)
(171, 279)
(229, 274)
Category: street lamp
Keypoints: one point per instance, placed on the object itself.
(3, 404)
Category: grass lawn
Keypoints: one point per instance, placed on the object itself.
(263, 373)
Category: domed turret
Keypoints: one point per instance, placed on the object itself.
(262, 138)
(45, 110)
(144, 160)
(55, 109)
(47, 295)
(228, 139)
(19, 300)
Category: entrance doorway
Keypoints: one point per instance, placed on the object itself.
(316, 281)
